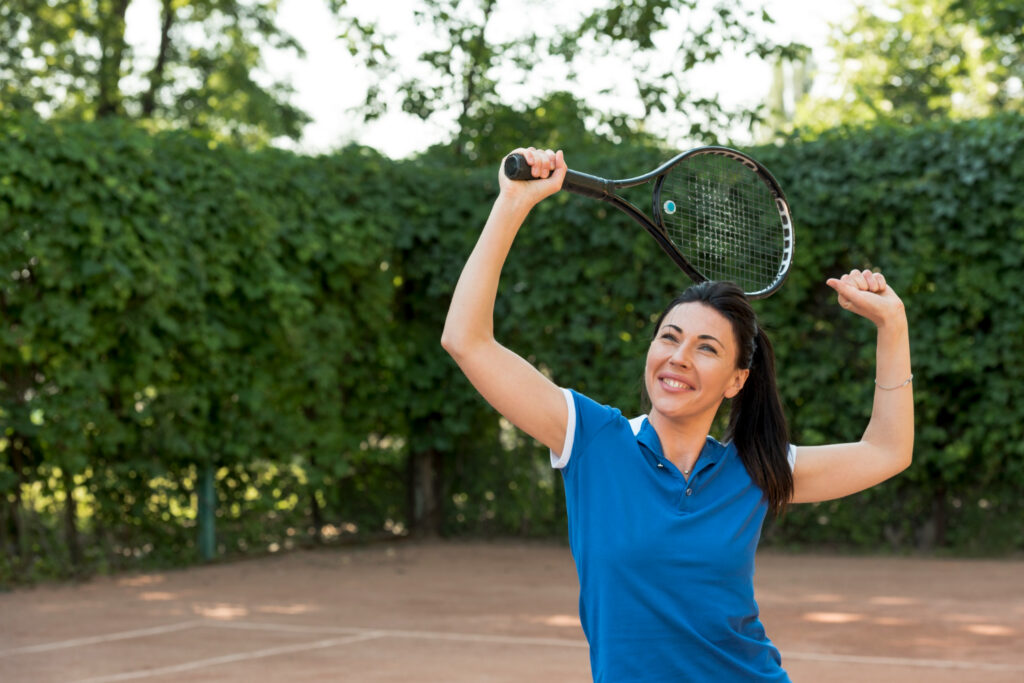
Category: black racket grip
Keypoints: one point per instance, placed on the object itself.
(516, 168)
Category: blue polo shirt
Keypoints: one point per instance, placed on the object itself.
(665, 565)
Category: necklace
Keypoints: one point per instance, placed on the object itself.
(686, 473)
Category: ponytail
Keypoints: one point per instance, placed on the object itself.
(757, 425)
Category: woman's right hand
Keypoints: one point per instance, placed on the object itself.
(547, 166)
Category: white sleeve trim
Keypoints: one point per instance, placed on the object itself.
(791, 456)
(570, 433)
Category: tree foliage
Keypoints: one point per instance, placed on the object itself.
(915, 61)
(71, 60)
(994, 18)
(474, 70)
(171, 305)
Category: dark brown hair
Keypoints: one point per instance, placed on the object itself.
(757, 423)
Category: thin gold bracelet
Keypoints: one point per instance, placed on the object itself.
(898, 386)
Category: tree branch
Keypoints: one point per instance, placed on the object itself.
(156, 76)
(112, 48)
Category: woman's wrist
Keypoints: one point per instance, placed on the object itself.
(893, 329)
(895, 319)
(514, 203)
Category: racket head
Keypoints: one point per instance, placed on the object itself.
(727, 217)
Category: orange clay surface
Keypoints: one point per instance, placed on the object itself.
(501, 611)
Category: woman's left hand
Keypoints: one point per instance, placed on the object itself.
(867, 294)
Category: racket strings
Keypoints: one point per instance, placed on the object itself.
(724, 220)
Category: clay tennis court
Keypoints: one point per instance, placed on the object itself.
(503, 611)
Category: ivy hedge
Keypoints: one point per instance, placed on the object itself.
(172, 306)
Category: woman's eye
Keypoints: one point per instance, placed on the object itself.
(709, 347)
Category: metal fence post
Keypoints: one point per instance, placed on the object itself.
(207, 512)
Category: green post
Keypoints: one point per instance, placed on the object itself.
(207, 510)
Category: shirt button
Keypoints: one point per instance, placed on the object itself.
(661, 466)
(689, 492)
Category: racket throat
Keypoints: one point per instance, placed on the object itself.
(587, 185)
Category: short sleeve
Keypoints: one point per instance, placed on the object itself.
(791, 456)
(586, 418)
(560, 461)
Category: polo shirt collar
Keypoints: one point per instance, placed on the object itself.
(648, 437)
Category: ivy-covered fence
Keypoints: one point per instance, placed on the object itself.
(172, 308)
(941, 210)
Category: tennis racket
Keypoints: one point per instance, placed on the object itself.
(718, 213)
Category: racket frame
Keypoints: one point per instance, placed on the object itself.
(604, 189)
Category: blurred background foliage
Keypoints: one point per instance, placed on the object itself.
(466, 71)
(180, 296)
(914, 61)
(70, 60)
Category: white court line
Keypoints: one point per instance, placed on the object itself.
(289, 628)
(566, 642)
(428, 635)
(481, 638)
(354, 635)
(229, 659)
(107, 638)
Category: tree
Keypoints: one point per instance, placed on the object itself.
(646, 46)
(791, 81)
(1001, 24)
(994, 18)
(71, 60)
(912, 61)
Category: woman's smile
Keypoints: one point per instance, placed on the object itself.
(672, 384)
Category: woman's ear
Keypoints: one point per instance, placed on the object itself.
(738, 380)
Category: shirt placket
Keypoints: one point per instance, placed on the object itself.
(685, 487)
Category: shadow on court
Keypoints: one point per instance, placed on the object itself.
(460, 611)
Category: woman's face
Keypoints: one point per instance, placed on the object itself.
(691, 363)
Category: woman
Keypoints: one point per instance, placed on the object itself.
(663, 519)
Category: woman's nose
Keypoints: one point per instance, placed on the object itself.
(681, 356)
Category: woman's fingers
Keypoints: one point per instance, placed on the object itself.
(858, 279)
(867, 294)
(877, 283)
(542, 161)
(545, 165)
(865, 280)
(845, 288)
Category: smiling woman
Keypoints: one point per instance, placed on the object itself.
(708, 341)
(664, 520)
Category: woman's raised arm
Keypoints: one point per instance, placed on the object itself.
(885, 449)
(516, 389)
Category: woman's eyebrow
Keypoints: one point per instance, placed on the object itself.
(702, 336)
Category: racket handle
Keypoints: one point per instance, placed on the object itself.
(517, 168)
